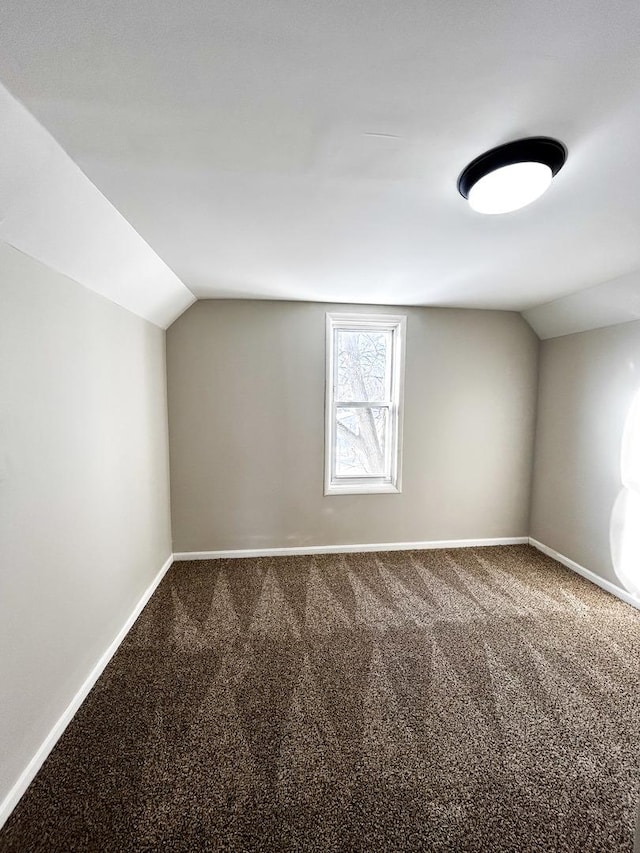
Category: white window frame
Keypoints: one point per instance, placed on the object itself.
(366, 485)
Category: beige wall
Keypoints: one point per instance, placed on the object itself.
(587, 385)
(246, 415)
(84, 490)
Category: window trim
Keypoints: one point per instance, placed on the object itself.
(366, 485)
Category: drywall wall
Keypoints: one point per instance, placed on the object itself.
(588, 384)
(246, 383)
(84, 490)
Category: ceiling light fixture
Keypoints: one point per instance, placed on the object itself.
(511, 176)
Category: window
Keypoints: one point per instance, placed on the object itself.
(365, 375)
(625, 517)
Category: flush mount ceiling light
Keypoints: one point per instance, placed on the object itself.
(513, 175)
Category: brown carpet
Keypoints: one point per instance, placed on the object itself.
(477, 700)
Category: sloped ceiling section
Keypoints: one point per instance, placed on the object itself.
(51, 211)
(606, 304)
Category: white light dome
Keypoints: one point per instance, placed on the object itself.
(512, 175)
(510, 188)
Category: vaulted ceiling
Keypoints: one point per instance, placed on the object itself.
(309, 149)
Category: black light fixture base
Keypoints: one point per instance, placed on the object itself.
(533, 149)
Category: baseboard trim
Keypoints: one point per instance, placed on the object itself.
(349, 549)
(28, 774)
(613, 588)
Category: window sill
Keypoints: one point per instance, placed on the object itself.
(362, 489)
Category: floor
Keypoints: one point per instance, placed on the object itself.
(463, 700)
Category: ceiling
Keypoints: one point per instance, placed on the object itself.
(309, 149)
(51, 211)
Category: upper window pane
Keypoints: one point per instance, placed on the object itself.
(363, 361)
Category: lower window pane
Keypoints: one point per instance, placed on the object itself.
(361, 442)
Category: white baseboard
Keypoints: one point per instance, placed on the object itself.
(349, 549)
(613, 588)
(28, 774)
